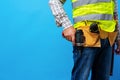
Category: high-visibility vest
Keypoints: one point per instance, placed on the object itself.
(99, 11)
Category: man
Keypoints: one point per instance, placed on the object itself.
(96, 53)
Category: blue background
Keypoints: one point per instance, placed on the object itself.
(31, 46)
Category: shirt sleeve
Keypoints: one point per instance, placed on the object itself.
(116, 17)
(59, 13)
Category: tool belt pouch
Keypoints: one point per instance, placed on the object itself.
(112, 37)
(91, 39)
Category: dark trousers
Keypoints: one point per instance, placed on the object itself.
(94, 59)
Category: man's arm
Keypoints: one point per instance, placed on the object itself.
(117, 26)
(62, 20)
(59, 13)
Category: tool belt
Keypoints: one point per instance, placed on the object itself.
(93, 39)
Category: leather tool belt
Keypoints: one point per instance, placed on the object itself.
(93, 39)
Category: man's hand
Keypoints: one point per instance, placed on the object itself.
(69, 34)
(118, 47)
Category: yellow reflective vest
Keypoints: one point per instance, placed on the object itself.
(89, 11)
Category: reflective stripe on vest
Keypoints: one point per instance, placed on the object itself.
(93, 17)
(100, 11)
(77, 3)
